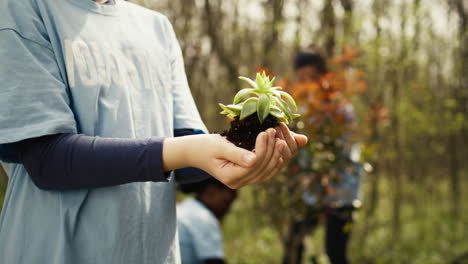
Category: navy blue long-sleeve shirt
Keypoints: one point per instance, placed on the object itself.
(72, 161)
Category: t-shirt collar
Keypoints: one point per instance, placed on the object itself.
(109, 8)
(108, 2)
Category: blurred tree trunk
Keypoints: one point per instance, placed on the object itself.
(213, 26)
(397, 163)
(463, 35)
(398, 83)
(274, 25)
(348, 22)
(329, 27)
(460, 93)
(373, 197)
(301, 4)
(454, 173)
(376, 97)
(461, 8)
(187, 10)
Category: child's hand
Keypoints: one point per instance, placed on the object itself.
(234, 166)
(294, 141)
(237, 167)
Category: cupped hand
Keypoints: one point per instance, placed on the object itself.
(293, 141)
(234, 166)
(237, 167)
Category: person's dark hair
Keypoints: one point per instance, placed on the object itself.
(199, 187)
(311, 56)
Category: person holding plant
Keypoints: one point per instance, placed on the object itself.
(91, 95)
(199, 221)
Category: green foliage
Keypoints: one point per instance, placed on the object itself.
(429, 234)
(264, 99)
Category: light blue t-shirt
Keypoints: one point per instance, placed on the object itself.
(200, 233)
(74, 66)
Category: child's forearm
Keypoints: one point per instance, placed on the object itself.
(71, 161)
(176, 153)
(189, 174)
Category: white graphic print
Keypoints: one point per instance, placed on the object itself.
(98, 65)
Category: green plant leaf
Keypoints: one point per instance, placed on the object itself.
(257, 91)
(230, 110)
(222, 106)
(287, 111)
(263, 98)
(278, 113)
(234, 107)
(249, 107)
(288, 97)
(242, 94)
(277, 100)
(263, 107)
(275, 108)
(284, 107)
(259, 81)
(249, 81)
(272, 81)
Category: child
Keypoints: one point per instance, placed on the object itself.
(310, 65)
(199, 221)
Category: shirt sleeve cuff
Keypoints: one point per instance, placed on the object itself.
(155, 161)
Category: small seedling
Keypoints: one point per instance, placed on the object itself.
(270, 104)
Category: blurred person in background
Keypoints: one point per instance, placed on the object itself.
(199, 221)
(336, 199)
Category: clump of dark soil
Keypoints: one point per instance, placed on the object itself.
(243, 133)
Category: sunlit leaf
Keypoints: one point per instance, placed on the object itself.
(249, 81)
(289, 98)
(285, 107)
(272, 81)
(276, 100)
(235, 108)
(259, 81)
(249, 107)
(243, 94)
(229, 110)
(263, 107)
(276, 112)
(275, 108)
(262, 98)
